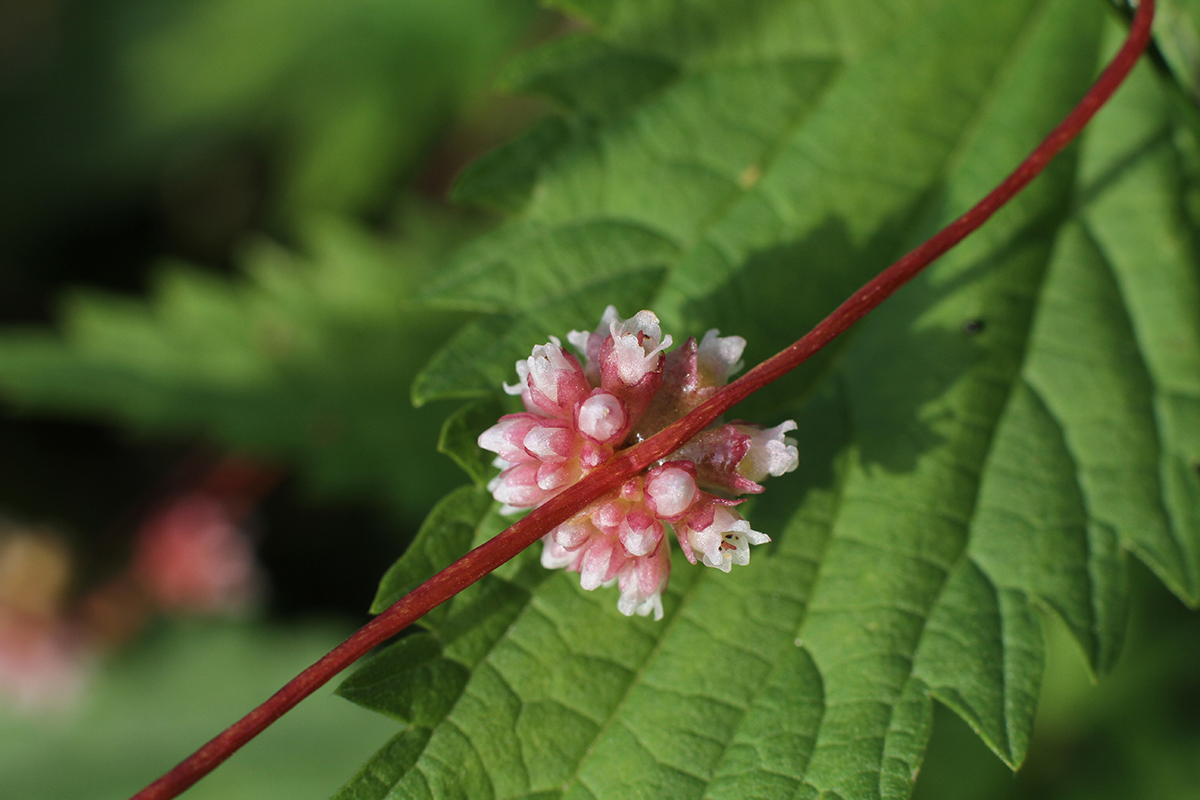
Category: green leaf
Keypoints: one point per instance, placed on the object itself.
(460, 438)
(481, 355)
(590, 76)
(376, 778)
(504, 178)
(409, 681)
(445, 537)
(981, 452)
(304, 359)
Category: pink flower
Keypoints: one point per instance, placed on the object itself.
(45, 657)
(44, 663)
(627, 388)
(194, 556)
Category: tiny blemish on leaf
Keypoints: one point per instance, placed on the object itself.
(750, 176)
(799, 642)
(973, 326)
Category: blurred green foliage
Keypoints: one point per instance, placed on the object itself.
(341, 99)
(176, 689)
(306, 359)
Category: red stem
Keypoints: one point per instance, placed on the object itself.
(627, 463)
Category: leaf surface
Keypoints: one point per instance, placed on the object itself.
(979, 453)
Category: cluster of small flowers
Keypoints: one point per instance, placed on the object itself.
(628, 389)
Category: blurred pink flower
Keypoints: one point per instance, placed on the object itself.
(44, 663)
(44, 660)
(194, 556)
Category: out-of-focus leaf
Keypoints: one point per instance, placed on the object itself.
(342, 99)
(503, 179)
(306, 360)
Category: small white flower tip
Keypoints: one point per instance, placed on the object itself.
(771, 453)
(631, 605)
(522, 383)
(634, 360)
(609, 316)
(718, 357)
(755, 537)
(579, 340)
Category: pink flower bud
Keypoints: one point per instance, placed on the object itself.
(517, 487)
(549, 440)
(507, 437)
(608, 514)
(552, 381)
(671, 488)
(573, 533)
(555, 556)
(591, 454)
(716, 454)
(555, 475)
(601, 562)
(602, 417)
(640, 532)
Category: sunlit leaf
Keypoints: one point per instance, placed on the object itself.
(984, 450)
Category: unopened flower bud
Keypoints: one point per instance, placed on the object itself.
(640, 532)
(601, 562)
(552, 381)
(671, 488)
(602, 417)
(549, 441)
(507, 437)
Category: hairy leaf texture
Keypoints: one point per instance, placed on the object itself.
(983, 451)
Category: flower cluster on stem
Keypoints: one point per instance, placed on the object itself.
(627, 388)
